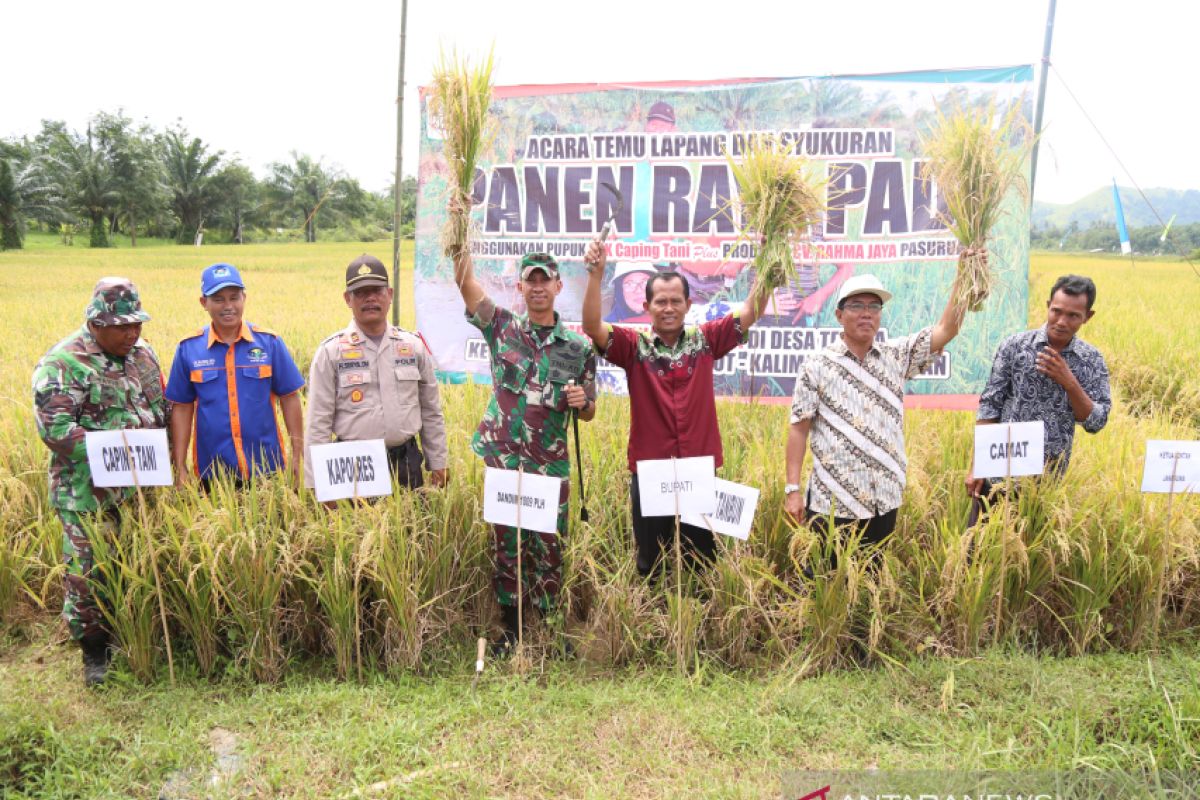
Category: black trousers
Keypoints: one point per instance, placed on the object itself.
(653, 535)
(991, 491)
(404, 461)
(874, 529)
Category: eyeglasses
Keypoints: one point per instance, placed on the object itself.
(858, 308)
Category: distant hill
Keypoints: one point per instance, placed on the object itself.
(1098, 207)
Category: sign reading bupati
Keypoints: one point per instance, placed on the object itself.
(137, 457)
(669, 486)
(344, 470)
(521, 499)
(1010, 450)
(734, 511)
(1171, 467)
(665, 149)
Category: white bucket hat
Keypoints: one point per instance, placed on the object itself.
(863, 284)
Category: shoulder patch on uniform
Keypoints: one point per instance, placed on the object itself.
(428, 349)
(261, 329)
(194, 334)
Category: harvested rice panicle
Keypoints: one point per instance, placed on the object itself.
(779, 199)
(459, 98)
(976, 157)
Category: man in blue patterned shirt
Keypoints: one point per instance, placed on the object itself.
(1050, 374)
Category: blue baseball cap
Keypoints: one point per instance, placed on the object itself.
(219, 276)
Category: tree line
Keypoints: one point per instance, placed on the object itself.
(122, 177)
(1182, 240)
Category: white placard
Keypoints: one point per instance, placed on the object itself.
(343, 470)
(116, 457)
(1170, 464)
(693, 480)
(734, 513)
(538, 497)
(1023, 442)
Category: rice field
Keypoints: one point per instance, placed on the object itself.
(258, 583)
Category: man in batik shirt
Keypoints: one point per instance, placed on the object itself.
(1047, 374)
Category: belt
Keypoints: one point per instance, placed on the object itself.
(401, 448)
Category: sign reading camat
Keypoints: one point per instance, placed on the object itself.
(508, 493)
(344, 470)
(1171, 467)
(673, 485)
(129, 458)
(1012, 449)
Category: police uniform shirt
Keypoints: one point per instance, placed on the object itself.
(359, 390)
(235, 391)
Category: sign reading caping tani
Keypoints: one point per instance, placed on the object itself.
(539, 186)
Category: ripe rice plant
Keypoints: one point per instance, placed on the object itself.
(129, 599)
(779, 199)
(975, 158)
(259, 579)
(459, 97)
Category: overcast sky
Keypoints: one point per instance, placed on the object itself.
(258, 79)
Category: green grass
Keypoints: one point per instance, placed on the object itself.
(574, 732)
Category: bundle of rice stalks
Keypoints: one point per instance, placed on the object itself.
(779, 199)
(459, 97)
(975, 159)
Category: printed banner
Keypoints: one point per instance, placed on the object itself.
(663, 146)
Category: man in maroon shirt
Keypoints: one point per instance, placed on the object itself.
(670, 375)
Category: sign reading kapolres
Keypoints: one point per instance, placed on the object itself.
(540, 186)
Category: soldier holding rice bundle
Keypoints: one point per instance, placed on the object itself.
(542, 373)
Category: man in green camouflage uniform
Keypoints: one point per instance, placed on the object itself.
(102, 377)
(542, 374)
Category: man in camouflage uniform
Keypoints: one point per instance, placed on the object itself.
(542, 373)
(102, 377)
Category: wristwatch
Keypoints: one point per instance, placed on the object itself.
(788, 488)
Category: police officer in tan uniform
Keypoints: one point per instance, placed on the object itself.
(375, 381)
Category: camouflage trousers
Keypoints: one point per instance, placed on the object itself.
(541, 561)
(80, 611)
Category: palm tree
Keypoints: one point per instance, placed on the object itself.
(189, 171)
(25, 190)
(303, 188)
(87, 181)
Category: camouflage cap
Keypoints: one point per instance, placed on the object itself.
(115, 301)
